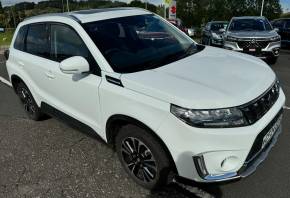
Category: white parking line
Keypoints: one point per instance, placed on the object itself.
(285, 107)
(6, 82)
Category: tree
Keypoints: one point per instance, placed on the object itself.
(1, 8)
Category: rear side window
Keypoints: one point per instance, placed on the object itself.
(19, 43)
(37, 40)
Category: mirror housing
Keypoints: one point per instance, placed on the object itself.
(276, 29)
(74, 65)
(222, 30)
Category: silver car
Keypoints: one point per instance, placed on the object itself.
(253, 35)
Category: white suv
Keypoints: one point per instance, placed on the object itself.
(167, 104)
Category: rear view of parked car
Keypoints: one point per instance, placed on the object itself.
(254, 36)
(213, 33)
(283, 28)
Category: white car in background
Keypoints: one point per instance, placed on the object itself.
(167, 104)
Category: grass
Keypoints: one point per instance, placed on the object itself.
(6, 37)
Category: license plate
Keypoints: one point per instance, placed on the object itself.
(252, 50)
(271, 132)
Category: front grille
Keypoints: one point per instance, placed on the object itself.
(257, 146)
(256, 109)
(253, 44)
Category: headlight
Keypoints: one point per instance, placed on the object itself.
(230, 38)
(215, 36)
(275, 38)
(218, 118)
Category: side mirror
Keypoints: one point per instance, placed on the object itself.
(222, 30)
(74, 65)
(277, 29)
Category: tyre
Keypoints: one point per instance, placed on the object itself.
(272, 60)
(142, 156)
(28, 102)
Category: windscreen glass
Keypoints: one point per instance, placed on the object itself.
(137, 43)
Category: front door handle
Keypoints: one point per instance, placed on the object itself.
(50, 75)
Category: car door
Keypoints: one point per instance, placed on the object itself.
(34, 58)
(206, 33)
(74, 94)
(279, 24)
(287, 31)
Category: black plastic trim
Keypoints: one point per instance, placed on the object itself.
(74, 123)
(114, 81)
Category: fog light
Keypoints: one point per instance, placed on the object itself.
(229, 163)
(276, 51)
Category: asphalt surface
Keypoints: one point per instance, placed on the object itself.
(51, 159)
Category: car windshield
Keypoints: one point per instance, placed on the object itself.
(218, 26)
(137, 43)
(250, 25)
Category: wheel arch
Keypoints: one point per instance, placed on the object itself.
(115, 122)
(15, 79)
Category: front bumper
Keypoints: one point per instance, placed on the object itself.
(217, 42)
(224, 151)
(271, 50)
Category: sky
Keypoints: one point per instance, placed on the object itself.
(285, 3)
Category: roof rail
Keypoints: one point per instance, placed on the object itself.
(67, 15)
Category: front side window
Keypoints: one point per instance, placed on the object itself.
(250, 25)
(278, 24)
(287, 26)
(137, 43)
(20, 38)
(37, 40)
(66, 43)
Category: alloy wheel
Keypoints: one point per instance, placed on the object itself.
(139, 159)
(26, 100)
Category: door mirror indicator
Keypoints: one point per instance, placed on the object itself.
(74, 65)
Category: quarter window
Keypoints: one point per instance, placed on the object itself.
(37, 40)
(19, 41)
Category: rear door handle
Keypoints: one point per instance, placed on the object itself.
(50, 75)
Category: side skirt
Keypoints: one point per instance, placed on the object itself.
(72, 122)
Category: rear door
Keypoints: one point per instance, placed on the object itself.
(287, 31)
(35, 58)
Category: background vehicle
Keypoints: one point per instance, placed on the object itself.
(254, 36)
(191, 31)
(212, 34)
(283, 29)
(178, 23)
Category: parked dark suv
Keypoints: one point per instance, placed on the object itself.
(253, 35)
(212, 34)
(283, 28)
